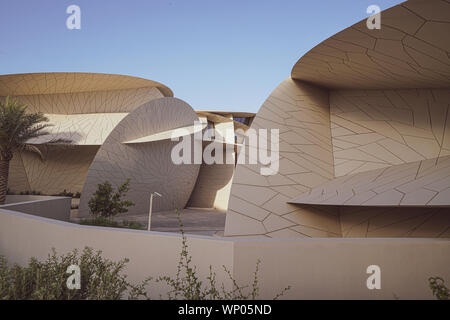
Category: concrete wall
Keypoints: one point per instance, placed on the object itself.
(314, 268)
(336, 268)
(57, 208)
(151, 253)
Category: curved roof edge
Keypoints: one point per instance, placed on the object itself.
(20, 84)
(410, 50)
(423, 184)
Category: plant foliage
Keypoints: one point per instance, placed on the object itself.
(107, 203)
(440, 291)
(101, 279)
(187, 285)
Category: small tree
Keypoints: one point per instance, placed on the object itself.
(107, 203)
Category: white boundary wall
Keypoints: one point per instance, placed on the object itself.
(314, 268)
(57, 208)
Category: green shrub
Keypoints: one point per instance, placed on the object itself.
(32, 192)
(106, 222)
(187, 285)
(65, 194)
(107, 203)
(132, 225)
(440, 291)
(101, 279)
(101, 222)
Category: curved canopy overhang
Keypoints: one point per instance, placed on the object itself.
(170, 134)
(80, 129)
(411, 50)
(423, 183)
(72, 82)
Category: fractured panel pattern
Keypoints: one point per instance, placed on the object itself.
(374, 129)
(83, 108)
(80, 129)
(420, 183)
(72, 82)
(116, 101)
(414, 222)
(389, 145)
(148, 165)
(410, 50)
(258, 204)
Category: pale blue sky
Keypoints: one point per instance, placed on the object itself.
(214, 54)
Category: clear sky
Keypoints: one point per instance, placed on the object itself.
(214, 54)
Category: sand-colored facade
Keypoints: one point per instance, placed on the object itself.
(363, 179)
(364, 136)
(119, 127)
(363, 124)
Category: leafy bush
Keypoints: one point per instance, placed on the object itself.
(187, 285)
(33, 193)
(106, 222)
(440, 291)
(65, 194)
(132, 225)
(101, 279)
(107, 203)
(100, 222)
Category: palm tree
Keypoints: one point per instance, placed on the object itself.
(16, 128)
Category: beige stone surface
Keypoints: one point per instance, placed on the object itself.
(314, 268)
(55, 208)
(409, 51)
(399, 185)
(111, 101)
(258, 204)
(148, 165)
(81, 107)
(63, 168)
(50, 83)
(404, 222)
(212, 188)
(400, 126)
(374, 136)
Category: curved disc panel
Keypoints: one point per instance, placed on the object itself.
(148, 165)
(410, 50)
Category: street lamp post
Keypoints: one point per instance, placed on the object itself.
(150, 210)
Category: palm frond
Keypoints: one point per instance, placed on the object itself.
(34, 149)
(17, 127)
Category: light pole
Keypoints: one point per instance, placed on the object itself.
(150, 210)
